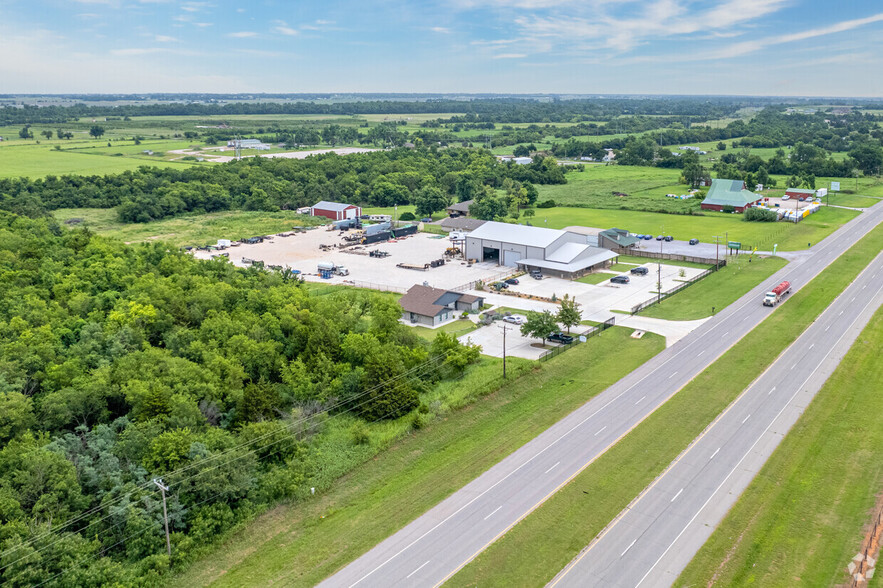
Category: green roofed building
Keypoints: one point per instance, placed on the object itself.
(729, 193)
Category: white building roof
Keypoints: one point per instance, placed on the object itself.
(520, 234)
(325, 205)
(567, 252)
(597, 255)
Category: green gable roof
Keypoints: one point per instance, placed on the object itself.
(729, 193)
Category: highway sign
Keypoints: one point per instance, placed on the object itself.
(734, 245)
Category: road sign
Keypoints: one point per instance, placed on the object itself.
(835, 186)
(734, 245)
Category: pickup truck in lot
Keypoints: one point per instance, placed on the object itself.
(560, 337)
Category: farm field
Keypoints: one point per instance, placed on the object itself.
(539, 546)
(200, 229)
(300, 544)
(805, 513)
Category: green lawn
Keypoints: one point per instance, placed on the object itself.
(455, 328)
(36, 161)
(595, 278)
(719, 289)
(634, 259)
(300, 544)
(853, 200)
(804, 514)
(646, 188)
(540, 545)
(788, 236)
(199, 229)
(621, 267)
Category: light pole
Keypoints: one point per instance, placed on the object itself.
(505, 328)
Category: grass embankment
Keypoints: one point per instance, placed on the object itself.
(717, 290)
(634, 259)
(840, 199)
(596, 278)
(191, 229)
(803, 515)
(300, 544)
(544, 542)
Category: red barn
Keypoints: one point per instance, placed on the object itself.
(335, 210)
(800, 192)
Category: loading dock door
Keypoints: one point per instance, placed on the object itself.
(510, 258)
(490, 254)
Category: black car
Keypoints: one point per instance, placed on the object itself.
(639, 271)
(619, 280)
(560, 338)
(659, 237)
(513, 281)
(668, 238)
(694, 241)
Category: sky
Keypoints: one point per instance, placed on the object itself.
(743, 47)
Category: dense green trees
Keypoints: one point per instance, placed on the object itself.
(118, 364)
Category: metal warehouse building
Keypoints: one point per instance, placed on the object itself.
(559, 253)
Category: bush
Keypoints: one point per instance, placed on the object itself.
(760, 215)
(729, 209)
(360, 434)
(407, 216)
(547, 204)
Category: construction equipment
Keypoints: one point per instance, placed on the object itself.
(452, 251)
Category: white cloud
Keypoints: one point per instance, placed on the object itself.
(443, 30)
(510, 56)
(283, 28)
(243, 35)
(165, 39)
(202, 25)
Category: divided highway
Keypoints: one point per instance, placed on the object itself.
(653, 539)
(437, 544)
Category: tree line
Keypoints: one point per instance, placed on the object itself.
(119, 364)
(381, 178)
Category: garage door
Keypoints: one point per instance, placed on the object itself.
(510, 258)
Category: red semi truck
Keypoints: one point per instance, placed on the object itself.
(775, 295)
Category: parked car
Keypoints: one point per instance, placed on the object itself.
(639, 271)
(668, 238)
(694, 241)
(512, 281)
(639, 236)
(648, 237)
(619, 280)
(499, 286)
(536, 274)
(426, 219)
(785, 197)
(560, 338)
(515, 320)
(659, 237)
(801, 199)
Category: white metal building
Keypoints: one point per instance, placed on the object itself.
(555, 252)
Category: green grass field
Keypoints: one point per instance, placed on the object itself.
(595, 278)
(300, 544)
(788, 236)
(717, 290)
(853, 200)
(804, 514)
(199, 229)
(455, 328)
(538, 547)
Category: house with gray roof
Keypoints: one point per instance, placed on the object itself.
(729, 193)
(430, 306)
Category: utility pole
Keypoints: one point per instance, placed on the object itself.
(717, 246)
(165, 514)
(659, 270)
(505, 328)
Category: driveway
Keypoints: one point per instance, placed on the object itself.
(491, 340)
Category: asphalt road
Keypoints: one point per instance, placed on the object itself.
(437, 544)
(653, 539)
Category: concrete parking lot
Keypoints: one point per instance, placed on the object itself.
(302, 252)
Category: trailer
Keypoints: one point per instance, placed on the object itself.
(412, 266)
(775, 295)
(332, 268)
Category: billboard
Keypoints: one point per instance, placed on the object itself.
(734, 244)
(835, 186)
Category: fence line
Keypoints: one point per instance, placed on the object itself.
(373, 286)
(499, 276)
(670, 256)
(588, 334)
(639, 307)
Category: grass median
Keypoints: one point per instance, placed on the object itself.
(544, 542)
(717, 290)
(803, 516)
(300, 544)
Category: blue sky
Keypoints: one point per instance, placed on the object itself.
(758, 47)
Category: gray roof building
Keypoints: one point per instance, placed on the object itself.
(432, 306)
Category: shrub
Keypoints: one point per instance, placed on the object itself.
(407, 216)
(360, 434)
(547, 204)
(760, 215)
(729, 209)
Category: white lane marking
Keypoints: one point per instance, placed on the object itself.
(745, 419)
(853, 299)
(793, 366)
(673, 374)
(552, 468)
(627, 548)
(418, 569)
(750, 449)
(771, 391)
(701, 352)
(811, 346)
(676, 495)
(601, 429)
(727, 333)
(826, 328)
(495, 510)
(715, 453)
(841, 312)
(640, 399)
